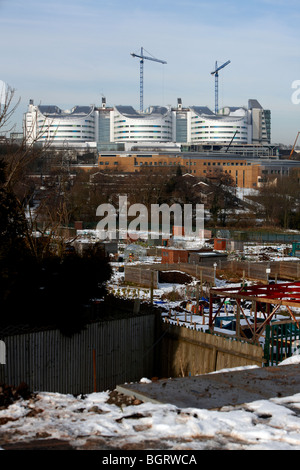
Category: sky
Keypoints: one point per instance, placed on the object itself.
(74, 52)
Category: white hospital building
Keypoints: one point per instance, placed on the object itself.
(193, 125)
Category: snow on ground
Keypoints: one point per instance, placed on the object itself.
(270, 251)
(91, 421)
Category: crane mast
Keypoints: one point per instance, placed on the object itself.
(216, 74)
(143, 57)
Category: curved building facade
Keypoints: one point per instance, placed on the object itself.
(194, 125)
(51, 124)
(221, 128)
(154, 125)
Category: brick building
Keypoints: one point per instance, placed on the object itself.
(246, 172)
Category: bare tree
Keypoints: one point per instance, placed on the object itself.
(279, 200)
(18, 158)
(7, 107)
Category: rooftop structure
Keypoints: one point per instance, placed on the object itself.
(265, 299)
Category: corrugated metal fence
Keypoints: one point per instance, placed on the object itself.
(120, 350)
(142, 274)
(286, 270)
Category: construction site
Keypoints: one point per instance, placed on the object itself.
(220, 312)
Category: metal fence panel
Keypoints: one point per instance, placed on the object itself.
(282, 340)
(48, 361)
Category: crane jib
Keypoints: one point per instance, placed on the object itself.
(221, 67)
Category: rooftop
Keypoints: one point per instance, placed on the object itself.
(152, 112)
(55, 112)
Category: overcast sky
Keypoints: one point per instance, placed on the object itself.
(73, 52)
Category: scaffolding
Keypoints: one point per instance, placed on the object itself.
(266, 301)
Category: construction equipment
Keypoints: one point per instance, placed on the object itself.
(231, 141)
(143, 57)
(292, 151)
(216, 74)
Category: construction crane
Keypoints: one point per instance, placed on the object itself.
(144, 57)
(216, 74)
(292, 151)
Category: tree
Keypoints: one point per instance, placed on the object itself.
(41, 285)
(279, 201)
(53, 291)
(43, 290)
(223, 198)
(12, 220)
(7, 107)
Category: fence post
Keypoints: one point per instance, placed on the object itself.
(2, 352)
(267, 345)
(94, 370)
(197, 299)
(238, 319)
(151, 288)
(201, 280)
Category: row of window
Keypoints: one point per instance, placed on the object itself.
(167, 121)
(142, 125)
(221, 127)
(143, 132)
(143, 163)
(213, 138)
(188, 163)
(60, 131)
(119, 137)
(64, 125)
(63, 137)
(220, 131)
(226, 163)
(149, 126)
(275, 172)
(156, 163)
